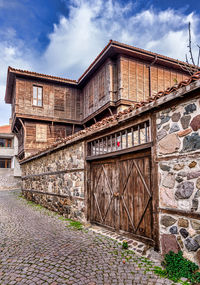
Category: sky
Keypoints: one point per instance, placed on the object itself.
(62, 37)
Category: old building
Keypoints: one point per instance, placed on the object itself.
(10, 173)
(46, 108)
(136, 172)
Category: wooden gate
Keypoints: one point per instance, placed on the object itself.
(121, 196)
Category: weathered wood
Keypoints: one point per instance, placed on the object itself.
(154, 179)
(53, 194)
(191, 215)
(121, 194)
(120, 152)
(54, 172)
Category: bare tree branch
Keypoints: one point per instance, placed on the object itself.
(190, 44)
(198, 56)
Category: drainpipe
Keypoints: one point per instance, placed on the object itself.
(149, 67)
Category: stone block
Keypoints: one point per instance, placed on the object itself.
(167, 221)
(195, 123)
(184, 190)
(176, 117)
(184, 132)
(167, 198)
(191, 143)
(191, 244)
(169, 243)
(183, 223)
(169, 181)
(185, 121)
(169, 144)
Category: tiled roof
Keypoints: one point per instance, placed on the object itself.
(132, 48)
(41, 75)
(110, 43)
(109, 121)
(6, 129)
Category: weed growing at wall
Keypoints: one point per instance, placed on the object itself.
(176, 267)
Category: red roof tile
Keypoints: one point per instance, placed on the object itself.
(5, 129)
(41, 75)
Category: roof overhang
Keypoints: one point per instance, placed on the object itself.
(112, 49)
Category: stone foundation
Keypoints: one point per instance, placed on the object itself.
(56, 181)
(178, 136)
(69, 207)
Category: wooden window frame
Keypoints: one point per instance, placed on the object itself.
(7, 163)
(132, 138)
(7, 140)
(37, 100)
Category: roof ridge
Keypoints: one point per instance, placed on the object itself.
(41, 74)
(93, 62)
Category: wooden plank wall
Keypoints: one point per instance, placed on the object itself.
(54, 132)
(96, 93)
(133, 78)
(58, 101)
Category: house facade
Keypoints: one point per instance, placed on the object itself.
(10, 173)
(136, 172)
(48, 108)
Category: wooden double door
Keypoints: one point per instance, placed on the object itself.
(121, 195)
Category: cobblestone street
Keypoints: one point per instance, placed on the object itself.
(36, 247)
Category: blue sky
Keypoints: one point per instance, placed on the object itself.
(61, 37)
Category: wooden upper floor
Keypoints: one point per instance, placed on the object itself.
(119, 76)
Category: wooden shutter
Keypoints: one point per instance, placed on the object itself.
(59, 100)
(41, 133)
(101, 85)
(91, 90)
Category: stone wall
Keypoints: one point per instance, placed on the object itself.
(56, 181)
(8, 181)
(178, 146)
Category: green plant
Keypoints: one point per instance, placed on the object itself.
(75, 225)
(125, 244)
(176, 267)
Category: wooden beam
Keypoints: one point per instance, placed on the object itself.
(191, 215)
(109, 109)
(52, 194)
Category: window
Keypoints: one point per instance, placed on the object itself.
(5, 142)
(41, 133)
(59, 103)
(37, 96)
(5, 163)
(128, 138)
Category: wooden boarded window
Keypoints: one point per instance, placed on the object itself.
(101, 85)
(91, 95)
(41, 133)
(59, 104)
(127, 138)
(37, 96)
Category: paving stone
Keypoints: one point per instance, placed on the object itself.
(37, 248)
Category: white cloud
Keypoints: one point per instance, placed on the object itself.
(78, 37)
(16, 56)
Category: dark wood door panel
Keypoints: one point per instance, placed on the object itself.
(121, 196)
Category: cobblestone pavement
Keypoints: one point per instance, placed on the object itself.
(36, 247)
